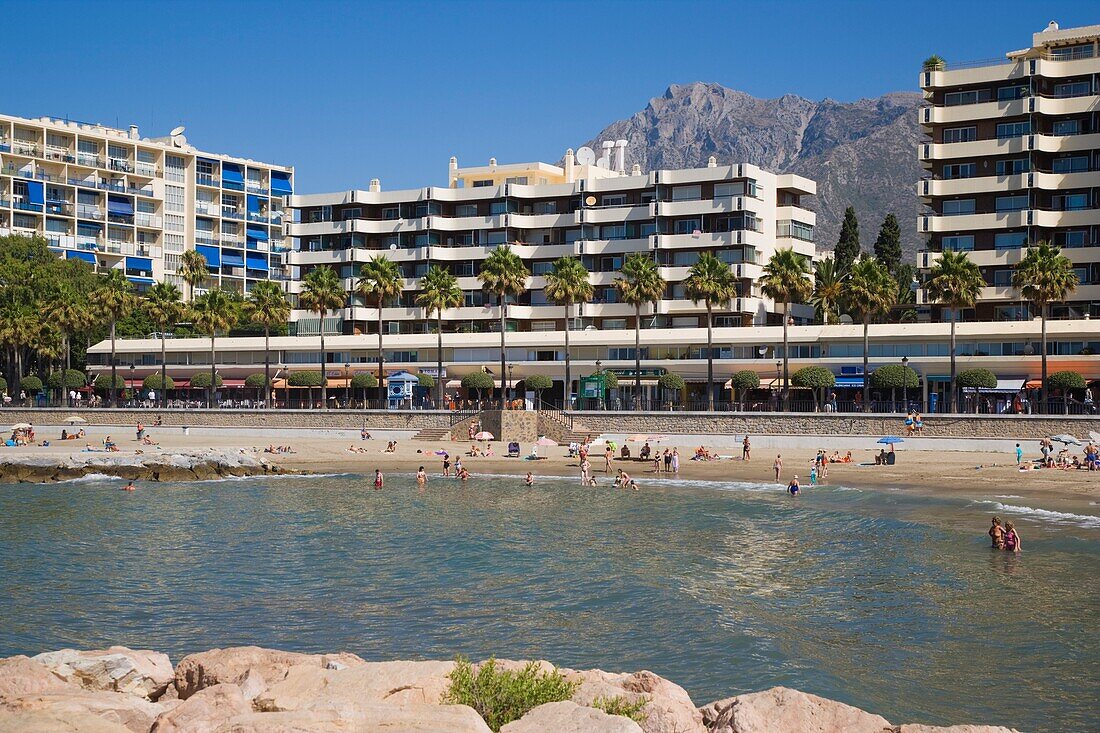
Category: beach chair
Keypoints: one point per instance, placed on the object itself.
(513, 450)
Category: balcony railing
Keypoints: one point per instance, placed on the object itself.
(205, 179)
(63, 155)
(24, 206)
(20, 147)
(257, 188)
(147, 220)
(255, 216)
(231, 214)
(89, 159)
(119, 164)
(146, 169)
(84, 211)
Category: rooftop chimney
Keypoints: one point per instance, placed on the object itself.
(133, 132)
(569, 161)
(375, 185)
(620, 156)
(712, 162)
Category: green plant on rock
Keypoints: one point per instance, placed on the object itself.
(503, 695)
(621, 705)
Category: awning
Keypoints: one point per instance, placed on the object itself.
(257, 261)
(232, 173)
(254, 203)
(1033, 384)
(1007, 386)
(938, 378)
(257, 233)
(775, 383)
(141, 280)
(232, 259)
(457, 383)
(89, 229)
(849, 382)
(212, 255)
(86, 256)
(141, 264)
(280, 184)
(117, 205)
(35, 194)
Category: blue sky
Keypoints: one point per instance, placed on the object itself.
(351, 91)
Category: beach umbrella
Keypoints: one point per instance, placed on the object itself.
(72, 419)
(1066, 439)
(636, 439)
(546, 442)
(891, 439)
(21, 426)
(441, 452)
(655, 438)
(484, 435)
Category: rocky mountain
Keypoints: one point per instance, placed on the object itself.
(862, 154)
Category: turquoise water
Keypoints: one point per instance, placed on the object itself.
(886, 600)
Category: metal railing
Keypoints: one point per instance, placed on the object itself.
(556, 413)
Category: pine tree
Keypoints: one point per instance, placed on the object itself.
(847, 246)
(888, 244)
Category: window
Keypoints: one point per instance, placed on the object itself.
(496, 237)
(1071, 201)
(957, 243)
(647, 229)
(1013, 129)
(173, 243)
(613, 231)
(795, 229)
(614, 324)
(174, 199)
(1011, 203)
(57, 226)
(546, 207)
(498, 207)
(466, 210)
(1076, 164)
(958, 207)
(173, 223)
(686, 193)
(1067, 127)
(1013, 167)
(1005, 94)
(172, 262)
(473, 298)
(1072, 89)
(1072, 238)
(482, 184)
(391, 213)
(953, 99)
(175, 168)
(726, 190)
(1010, 240)
(618, 199)
(1066, 53)
(1082, 274)
(960, 134)
(353, 213)
(541, 268)
(519, 180)
(687, 226)
(959, 170)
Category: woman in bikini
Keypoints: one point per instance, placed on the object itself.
(997, 534)
(421, 477)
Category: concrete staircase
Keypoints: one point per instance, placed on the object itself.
(433, 435)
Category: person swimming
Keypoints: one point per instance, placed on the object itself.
(129, 487)
(793, 488)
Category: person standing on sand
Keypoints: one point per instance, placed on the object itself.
(379, 479)
(446, 464)
(1019, 457)
(746, 449)
(607, 453)
(585, 466)
(997, 534)
(421, 477)
(778, 466)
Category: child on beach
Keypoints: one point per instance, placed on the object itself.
(997, 534)
(813, 475)
(530, 480)
(421, 477)
(379, 479)
(1019, 454)
(1012, 538)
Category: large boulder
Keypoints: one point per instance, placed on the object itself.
(783, 710)
(914, 728)
(668, 707)
(204, 711)
(233, 664)
(22, 675)
(569, 717)
(117, 669)
(378, 717)
(49, 721)
(313, 688)
(129, 711)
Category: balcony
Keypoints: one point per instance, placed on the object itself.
(89, 244)
(120, 164)
(23, 206)
(61, 155)
(207, 209)
(149, 170)
(257, 216)
(150, 221)
(207, 239)
(125, 219)
(23, 147)
(257, 188)
(91, 160)
(232, 214)
(86, 211)
(228, 238)
(206, 179)
(60, 208)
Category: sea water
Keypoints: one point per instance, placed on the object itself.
(883, 599)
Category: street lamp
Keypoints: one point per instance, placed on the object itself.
(599, 382)
(511, 384)
(905, 380)
(286, 387)
(131, 381)
(347, 385)
(778, 385)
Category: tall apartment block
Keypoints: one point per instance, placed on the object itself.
(587, 208)
(1012, 154)
(119, 201)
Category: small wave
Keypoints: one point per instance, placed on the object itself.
(1083, 520)
(1009, 496)
(270, 477)
(89, 478)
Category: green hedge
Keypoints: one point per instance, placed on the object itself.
(103, 381)
(202, 379)
(255, 381)
(364, 380)
(153, 382)
(538, 382)
(305, 379)
(30, 384)
(426, 380)
(1065, 380)
(673, 382)
(813, 377)
(745, 379)
(73, 379)
(478, 381)
(895, 376)
(977, 379)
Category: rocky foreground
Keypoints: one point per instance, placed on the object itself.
(201, 465)
(254, 690)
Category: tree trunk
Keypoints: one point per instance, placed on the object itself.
(324, 379)
(163, 371)
(65, 374)
(267, 367)
(1044, 308)
(866, 376)
(503, 358)
(381, 362)
(213, 374)
(114, 368)
(568, 371)
(439, 360)
(638, 356)
(786, 361)
(710, 357)
(953, 396)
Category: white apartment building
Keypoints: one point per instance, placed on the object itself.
(588, 208)
(1012, 157)
(119, 201)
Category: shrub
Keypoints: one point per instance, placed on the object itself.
(255, 381)
(73, 379)
(813, 377)
(745, 379)
(425, 380)
(538, 382)
(620, 705)
(202, 379)
(1065, 380)
(153, 382)
(364, 380)
(3, 385)
(306, 378)
(896, 376)
(479, 381)
(977, 379)
(934, 63)
(671, 382)
(500, 695)
(103, 381)
(30, 384)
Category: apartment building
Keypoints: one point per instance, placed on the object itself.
(119, 201)
(1011, 152)
(588, 207)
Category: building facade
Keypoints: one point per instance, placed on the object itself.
(588, 208)
(1011, 151)
(119, 201)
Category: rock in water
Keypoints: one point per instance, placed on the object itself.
(233, 664)
(50, 721)
(668, 708)
(310, 688)
(782, 710)
(22, 675)
(118, 669)
(204, 711)
(569, 717)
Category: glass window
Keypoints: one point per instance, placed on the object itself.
(1072, 89)
(1067, 127)
(952, 99)
(1011, 203)
(960, 134)
(174, 199)
(959, 170)
(1010, 240)
(466, 210)
(1071, 202)
(1076, 164)
(1072, 238)
(725, 190)
(1013, 167)
(613, 231)
(496, 237)
(686, 193)
(957, 243)
(1013, 129)
(175, 168)
(1006, 93)
(498, 207)
(687, 226)
(613, 200)
(958, 207)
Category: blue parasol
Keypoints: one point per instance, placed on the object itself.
(891, 439)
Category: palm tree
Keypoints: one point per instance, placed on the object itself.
(439, 291)
(786, 280)
(870, 292)
(267, 306)
(322, 291)
(710, 280)
(566, 285)
(19, 329)
(828, 290)
(68, 311)
(503, 273)
(114, 299)
(162, 303)
(1044, 276)
(380, 281)
(194, 270)
(214, 311)
(641, 284)
(956, 282)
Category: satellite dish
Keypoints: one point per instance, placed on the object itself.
(393, 247)
(590, 201)
(586, 155)
(846, 319)
(177, 130)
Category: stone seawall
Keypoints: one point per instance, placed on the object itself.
(671, 423)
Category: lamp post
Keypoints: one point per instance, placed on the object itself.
(131, 381)
(778, 376)
(511, 384)
(286, 387)
(347, 385)
(905, 381)
(599, 381)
